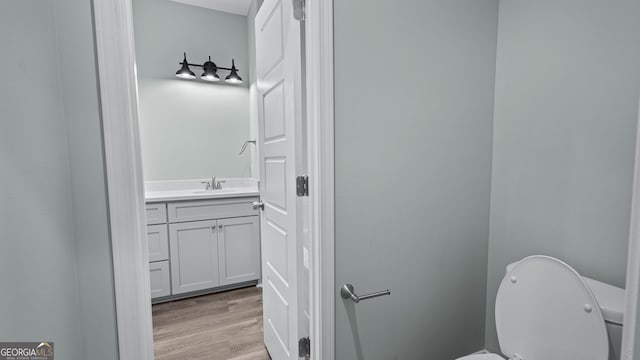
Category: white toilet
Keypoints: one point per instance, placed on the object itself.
(546, 311)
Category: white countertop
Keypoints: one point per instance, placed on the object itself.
(157, 191)
(176, 195)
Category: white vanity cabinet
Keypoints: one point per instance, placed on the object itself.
(207, 254)
(239, 249)
(202, 245)
(158, 249)
(194, 256)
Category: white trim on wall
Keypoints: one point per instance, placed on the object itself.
(320, 117)
(633, 266)
(113, 21)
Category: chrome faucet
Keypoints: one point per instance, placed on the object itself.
(213, 184)
(216, 185)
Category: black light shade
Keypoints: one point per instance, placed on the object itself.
(233, 78)
(210, 71)
(185, 72)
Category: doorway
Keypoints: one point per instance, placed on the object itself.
(198, 145)
(204, 234)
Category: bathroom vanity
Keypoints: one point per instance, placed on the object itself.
(202, 241)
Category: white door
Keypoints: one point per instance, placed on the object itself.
(278, 64)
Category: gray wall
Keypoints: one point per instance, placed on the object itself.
(55, 269)
(414, 105)
(566, 108)
(190, 129)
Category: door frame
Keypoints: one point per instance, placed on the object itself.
(630, 336)
(115, 50)
(115, 53)
(320, 146)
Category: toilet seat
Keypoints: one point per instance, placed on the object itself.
(546, 311)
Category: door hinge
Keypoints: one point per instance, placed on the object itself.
(302, 185)
(304, 348)
(298, 9)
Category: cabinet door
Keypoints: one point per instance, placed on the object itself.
(239, 249)
(194, 256)
(159, 276)
(158, 242)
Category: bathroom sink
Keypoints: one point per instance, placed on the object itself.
(216, 191)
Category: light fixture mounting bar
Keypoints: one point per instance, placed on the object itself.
(202, 66)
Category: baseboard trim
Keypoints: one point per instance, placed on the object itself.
(219, 289)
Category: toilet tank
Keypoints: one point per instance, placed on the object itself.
(611, 301)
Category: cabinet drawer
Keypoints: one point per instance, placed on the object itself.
(183, 211)
(159, 276)
(158, 241)
(156, 213)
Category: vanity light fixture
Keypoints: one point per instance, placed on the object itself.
(185, 72)
(233, 78)
(210, 71)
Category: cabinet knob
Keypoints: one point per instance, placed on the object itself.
(220, 227)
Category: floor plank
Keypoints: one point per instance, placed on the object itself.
(223, 326)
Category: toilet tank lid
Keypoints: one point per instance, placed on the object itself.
(610, 298)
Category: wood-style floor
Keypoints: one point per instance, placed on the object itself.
(223, 326)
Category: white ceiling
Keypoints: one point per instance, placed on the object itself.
(238, 7)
